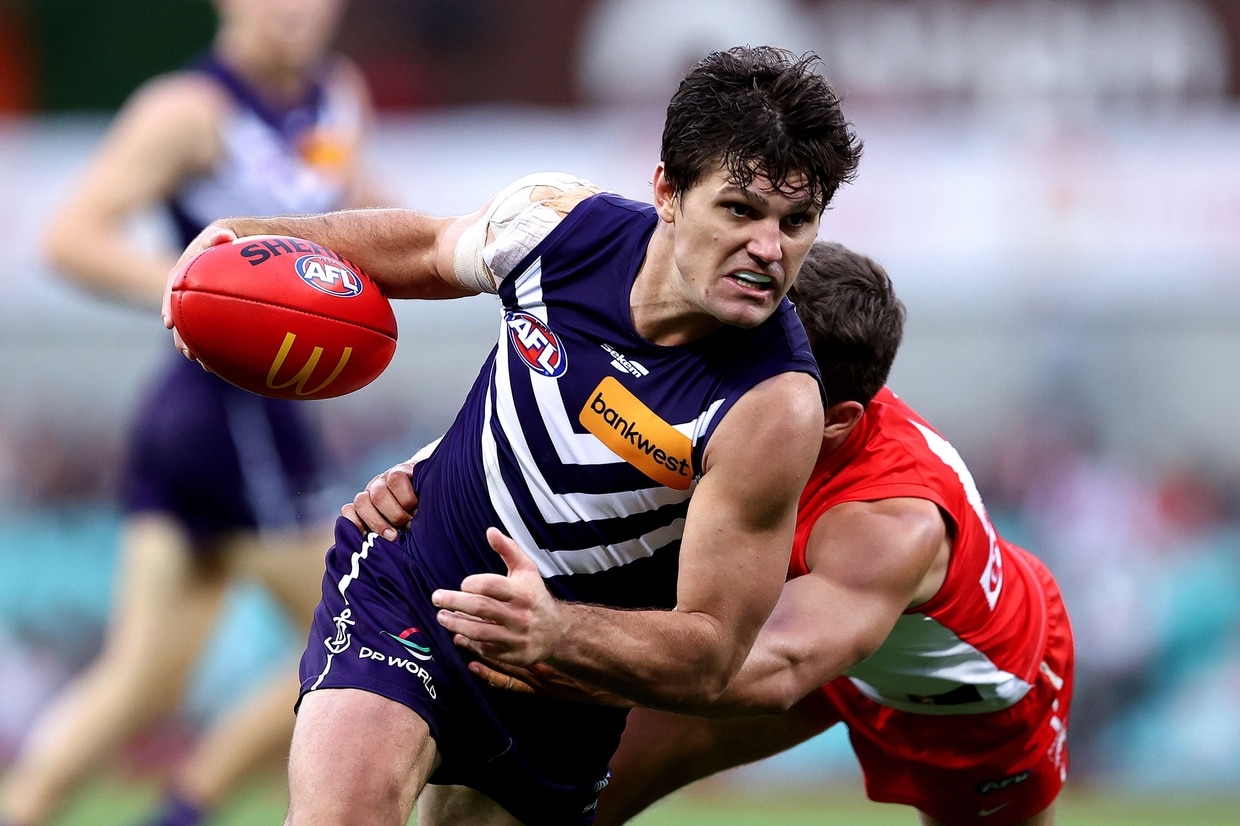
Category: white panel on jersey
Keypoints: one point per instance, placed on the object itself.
(923, 657)
(579, 561)
(992, 575)
(571, 507)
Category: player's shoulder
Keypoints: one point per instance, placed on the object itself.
(560, 192)
(173, 116)
(344, 80)
(343, 70)
(523, 214)
(795, 394)
(187, 94)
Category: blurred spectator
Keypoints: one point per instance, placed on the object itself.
(1136, 553)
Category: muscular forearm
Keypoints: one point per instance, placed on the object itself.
(776, 677)
(663, 659)
(817, 631)
(397, 248)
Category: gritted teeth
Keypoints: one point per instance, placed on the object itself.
(753, 278)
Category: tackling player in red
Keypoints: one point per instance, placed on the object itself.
(944, 648)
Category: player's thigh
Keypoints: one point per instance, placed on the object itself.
(356, 758)
(166, 599)
(288, 565)
(452, 805)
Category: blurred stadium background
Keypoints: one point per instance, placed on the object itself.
(1053, 184)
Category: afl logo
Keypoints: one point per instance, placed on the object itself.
(536, 344)
(329, 276)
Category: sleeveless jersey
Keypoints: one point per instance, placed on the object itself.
(977, 644)
(580, 439)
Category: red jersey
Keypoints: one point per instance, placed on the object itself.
(978, 643)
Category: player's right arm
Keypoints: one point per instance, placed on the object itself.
(868, 561)
(412, 254)
(166, 132)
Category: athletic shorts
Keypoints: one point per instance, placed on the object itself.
(992, 769)
(219, 458)
(375, 629)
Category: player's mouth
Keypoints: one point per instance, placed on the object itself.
(753, 280)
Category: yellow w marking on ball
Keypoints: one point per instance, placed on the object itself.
(307, 369)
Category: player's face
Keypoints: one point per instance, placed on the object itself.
(738, 249)
(293, 33)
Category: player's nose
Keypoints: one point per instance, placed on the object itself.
(766, 241)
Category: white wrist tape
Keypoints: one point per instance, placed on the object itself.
(468, 260)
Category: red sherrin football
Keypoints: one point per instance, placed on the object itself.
(283, 317)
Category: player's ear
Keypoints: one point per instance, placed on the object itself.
(664, 195)
(841, 419)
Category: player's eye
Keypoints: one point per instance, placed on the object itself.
(798, 220)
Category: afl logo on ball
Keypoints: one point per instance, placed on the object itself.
(536, 344)
(329, 275)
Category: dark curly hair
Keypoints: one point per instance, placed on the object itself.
(853, 318)
(759, 110)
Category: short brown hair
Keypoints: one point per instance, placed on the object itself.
(853, 318)
(759, 110)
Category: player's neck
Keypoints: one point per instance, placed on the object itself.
(279, 84)
(662, 314)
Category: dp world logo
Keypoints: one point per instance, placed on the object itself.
(536, 344)
(329, 276)
(412, 642)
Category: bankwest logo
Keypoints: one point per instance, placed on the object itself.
(303, 375)
(636, 434)
(537, 346)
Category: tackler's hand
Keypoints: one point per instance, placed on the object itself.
(387, 504)
(545, 681)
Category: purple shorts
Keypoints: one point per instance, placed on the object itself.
(219, 458)
(375, 629)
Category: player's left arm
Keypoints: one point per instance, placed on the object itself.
(869, 562)
(733, 558)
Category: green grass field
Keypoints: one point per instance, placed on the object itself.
(116, 803)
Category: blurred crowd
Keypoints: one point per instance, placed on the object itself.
(1149, 562)
(58, 55)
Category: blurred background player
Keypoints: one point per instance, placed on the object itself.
(219, 484)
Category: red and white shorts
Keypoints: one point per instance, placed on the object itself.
(991, 769)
